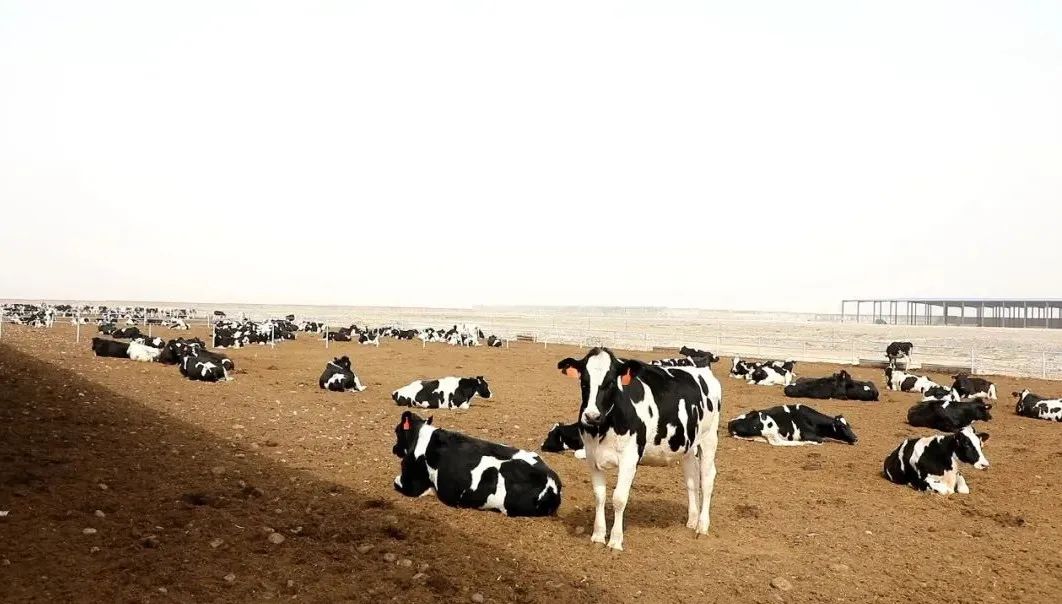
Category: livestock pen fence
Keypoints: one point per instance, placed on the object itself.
(729, 338)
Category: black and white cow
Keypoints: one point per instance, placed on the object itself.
(107, 328)
(126, 333)
(948, 416)
(370, 338)
(896, 379)
(899, 350)
(443, 393)
(1038, 407)
(973, 387)
(686, 359)
(940, 393)
(774, 373)
(741, 369)
(203, 367)
(339, 377)
(110, 348)
(338, 336)
(468, 472)
(564, 437)
(633, 411)
(839, 386)
(143, 352)
(153, 341)
(932, 463)
(494, 342)
(791, 425)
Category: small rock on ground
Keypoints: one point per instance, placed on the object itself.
(230, 577)
(276, 538)
(839, 568)
(216, 543)
(364, 549)
(781, 583)
(89, 531)
(405, 563)
(389, 557)
(478, 598)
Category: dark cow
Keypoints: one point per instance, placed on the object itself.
(948, 416)
(896, 379)
(932, 463)
(203, 367)
(972, 387)
(940, 393)
(371, 338)
(633, 411)
(494, 342)
(107, 328)
(339, 377)
(175, 349)
(564, 437)
(126, 333)
(468, 472)
(898, 350)
(686, 360)
(791, 425)
(339, 336)
(443, 393)
(839, 386)
(110, 348)
(1038, 407)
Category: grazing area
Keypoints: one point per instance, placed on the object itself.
(125, 481)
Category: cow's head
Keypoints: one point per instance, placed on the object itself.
(343, 361)
(843, 431)
(968, 445)
(700, 358)
(600, 376)
(554, 442)
(1021, 400)
(747, 425)
(406, 431)
(482, 388)
(981, 411)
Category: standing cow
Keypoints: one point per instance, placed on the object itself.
(632, 411)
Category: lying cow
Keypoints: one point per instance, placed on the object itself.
(899, 350)
(940, 393)
(143, 353)
(494, 342)
(686, 360)
(110, 348)
(467, 472)
(932, 463)
(154, 342)
(791, 425)
(1038, 407)
(564, 438)
(896, 379)
(741, 369)
(339, 377)
(972, 387)
(775, 373)
(338, 336)
(948, 416)
(443, 393)
(126, 333)
(839, 386)
(203, 367)
(632, 412)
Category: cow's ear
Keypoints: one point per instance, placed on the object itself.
(628, 371)
(983, 436)
(570, 368)
(431, 418)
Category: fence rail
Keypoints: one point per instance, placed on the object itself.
(720, 337)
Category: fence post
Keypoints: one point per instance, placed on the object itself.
(326, 336)
(77, 330)
(272, 336)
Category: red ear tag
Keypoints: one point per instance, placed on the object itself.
(405, 424)
(571, 372)
(625, 379)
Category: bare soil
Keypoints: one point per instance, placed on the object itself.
(191, 479)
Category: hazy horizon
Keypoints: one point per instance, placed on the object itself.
(766, 155)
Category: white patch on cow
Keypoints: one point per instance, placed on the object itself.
(408, 392)
(526, 456)
(597, 367)
(143, 353)
(496, 500)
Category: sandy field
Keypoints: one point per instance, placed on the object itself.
(124, 482)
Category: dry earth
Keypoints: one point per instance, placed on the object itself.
(190, 481)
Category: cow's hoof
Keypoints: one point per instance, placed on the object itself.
(691, 524)
(599, 539)
(702, 530)
(615, 547)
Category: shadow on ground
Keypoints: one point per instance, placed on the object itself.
(111, 501)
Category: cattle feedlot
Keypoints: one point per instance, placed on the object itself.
(125, 481)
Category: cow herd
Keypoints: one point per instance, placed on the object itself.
(631, 413)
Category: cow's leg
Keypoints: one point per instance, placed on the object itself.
(934, 484)
(628, 465)
(707, 458)
(692, 470)
(961, 486)
(597, 479)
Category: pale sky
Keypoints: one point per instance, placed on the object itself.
(756, 155)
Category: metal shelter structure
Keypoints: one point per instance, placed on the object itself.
(1044, 313)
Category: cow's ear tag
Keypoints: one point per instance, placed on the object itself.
(405, 424)
(571, 372)
(625, 379)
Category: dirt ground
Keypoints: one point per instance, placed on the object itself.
(191, 479)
